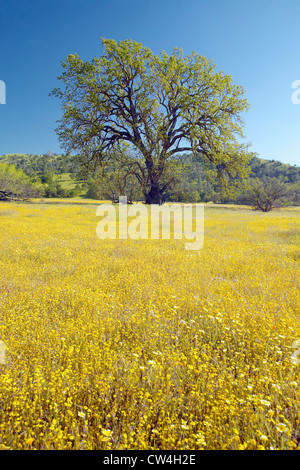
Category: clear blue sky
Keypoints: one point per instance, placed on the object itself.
(255, 41)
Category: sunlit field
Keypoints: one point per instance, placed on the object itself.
(142, 344)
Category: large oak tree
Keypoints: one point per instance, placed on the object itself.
(155, 106)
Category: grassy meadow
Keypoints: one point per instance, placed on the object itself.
(141, 344)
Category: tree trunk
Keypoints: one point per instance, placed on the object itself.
(155, 195)
(5, 196)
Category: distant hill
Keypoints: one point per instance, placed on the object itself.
(263, 168)
(41, 164)
(274, 169)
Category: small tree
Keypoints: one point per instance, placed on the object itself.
(265, 194)
(14, 184)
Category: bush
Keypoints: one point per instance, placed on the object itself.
(56, 190)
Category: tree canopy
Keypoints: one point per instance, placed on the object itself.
(152, 107)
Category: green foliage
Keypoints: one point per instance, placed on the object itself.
(48, 173)
(56, 190)
(15, 184)
(41, 165)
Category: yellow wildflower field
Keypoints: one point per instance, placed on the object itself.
(141, 344)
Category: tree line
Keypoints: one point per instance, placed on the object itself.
(270, 181)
